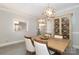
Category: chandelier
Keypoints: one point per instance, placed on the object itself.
(49, 12)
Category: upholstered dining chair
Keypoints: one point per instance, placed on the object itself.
(58, 36)
(30, 49)
(41, 49)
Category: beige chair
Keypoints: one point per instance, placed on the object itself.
(29, 45)
(41, 49)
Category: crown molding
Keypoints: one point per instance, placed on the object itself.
(18, 13)
(7, 9)
(67, 9)
(25, 14)
(13, 11)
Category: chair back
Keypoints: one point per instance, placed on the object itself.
(58, 36)
(41, 48)
(29, 44)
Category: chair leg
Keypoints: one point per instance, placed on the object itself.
(30, 53)
(56, 53)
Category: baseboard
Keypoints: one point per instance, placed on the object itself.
(11, 43)
(76, 46)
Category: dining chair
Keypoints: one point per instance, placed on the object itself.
(58, 36)
(41, 49)
(30, 49)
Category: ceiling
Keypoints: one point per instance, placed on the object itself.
(35, 9)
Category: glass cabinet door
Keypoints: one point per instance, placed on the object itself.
(65, 27)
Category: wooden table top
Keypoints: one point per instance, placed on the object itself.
(57, 44)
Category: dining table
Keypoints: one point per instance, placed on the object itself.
(58, 45)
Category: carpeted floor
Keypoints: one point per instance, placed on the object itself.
(72, 51)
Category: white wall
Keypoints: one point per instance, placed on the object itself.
(50, 26)
(74, 24)
(6, 28)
